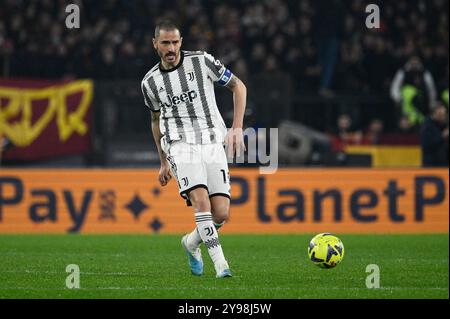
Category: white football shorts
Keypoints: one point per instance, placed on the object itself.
(199, 165)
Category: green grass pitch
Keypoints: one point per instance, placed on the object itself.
(264, 266)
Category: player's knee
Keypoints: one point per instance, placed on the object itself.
(202, 205)
(221, 212)
(200, 202)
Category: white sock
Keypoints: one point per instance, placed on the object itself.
(209, 236)
(194, 240)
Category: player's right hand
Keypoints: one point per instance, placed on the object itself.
(234, 142)
(164, 175)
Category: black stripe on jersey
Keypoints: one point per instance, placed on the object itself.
(175, 114)
(190, 106)
(212, 67)
(152, 85)
(147, 99)
(192, 53)
(149, 74)
(201, 87)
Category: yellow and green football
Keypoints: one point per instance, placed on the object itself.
(326, 250)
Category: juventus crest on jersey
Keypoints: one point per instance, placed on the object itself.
(185, 98)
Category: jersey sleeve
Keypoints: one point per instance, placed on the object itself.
(149, 99)
(216, 70)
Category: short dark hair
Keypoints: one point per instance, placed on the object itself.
(166, 25)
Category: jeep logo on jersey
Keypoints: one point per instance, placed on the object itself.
(185, 97)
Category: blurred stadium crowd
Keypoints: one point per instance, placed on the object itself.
(323, 45)
(299, 37)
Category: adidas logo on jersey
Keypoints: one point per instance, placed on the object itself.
(185, 97)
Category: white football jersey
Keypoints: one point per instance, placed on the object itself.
(185, 98)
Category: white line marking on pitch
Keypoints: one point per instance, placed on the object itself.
(227, 288)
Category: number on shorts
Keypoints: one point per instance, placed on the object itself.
(224, 173)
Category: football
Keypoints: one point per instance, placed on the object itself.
(326, 250)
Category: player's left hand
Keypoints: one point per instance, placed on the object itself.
(234, 142)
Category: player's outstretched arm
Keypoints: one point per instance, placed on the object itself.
(164, 172)
(235, 137)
